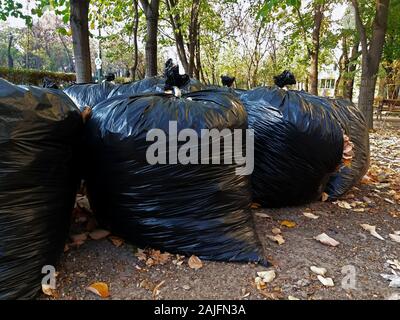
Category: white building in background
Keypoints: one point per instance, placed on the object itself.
(327, 77)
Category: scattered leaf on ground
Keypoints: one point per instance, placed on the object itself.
(276, 231)
(317, 270)
(116, 241)
(195, 262)
(277, 238)
(260, 284)
(262, 215)
(310, 215)
(81, 237)
(49, 290)
(371, 230)
(99, 234)
(325, 239)
(255, 205)
(395, 264)
(395, 237)
(99, 288)
(327, 282)
(324, 197)
(156, 290)
(267, 276)
(288, 223)
(292, 298)
(343, 204)
(393, 278)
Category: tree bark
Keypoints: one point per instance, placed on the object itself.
(135, 40)
(371, 55)
(9, 55)
(198, 68)
(70, 61)
(79, 17)
(193, 35)
(314, 55)
(151, 11)
(175, 20)
(351, 69)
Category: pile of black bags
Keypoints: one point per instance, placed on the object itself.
(180, 208)
(39, 129)
(187, 209)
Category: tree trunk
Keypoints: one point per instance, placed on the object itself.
(371, 55)
(366, 97)
(193, 31)
(350, 72)
(135, 41)
(343, 65)
(175, 20)
(71, 67)
(80, 38)
(9, 55)
(198, 58)
(151, 11)
(318, 16)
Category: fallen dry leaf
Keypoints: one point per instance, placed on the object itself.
(325, 239)
(343, 204)
(99, 234)
(195, 263)
(327, 282)
(277, 238)
(141, 255)
(393, 278)
(389, 201)
(395, 264)
(319, 271)
(156, 290)
(276, 231)
(292, 298)
(49, 290)
(99, 288)
(260, 284)
(267, 276)
(81, 237)
(262, 215)
(288, 223)
(310, 215)
(255, 205)
(116, 241)
(395, 237)
(372, 230)
(324, 196)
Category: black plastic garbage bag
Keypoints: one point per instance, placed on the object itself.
(284, 79)
(298, 145)
(353, 123)
(38, 132)
(188, 209)
(153, 85)
(89, 94)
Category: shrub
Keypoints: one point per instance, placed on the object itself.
(34, 77)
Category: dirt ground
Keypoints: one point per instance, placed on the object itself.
(358, 261)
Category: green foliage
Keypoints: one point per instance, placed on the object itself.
(34, 77)
(11, 8)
